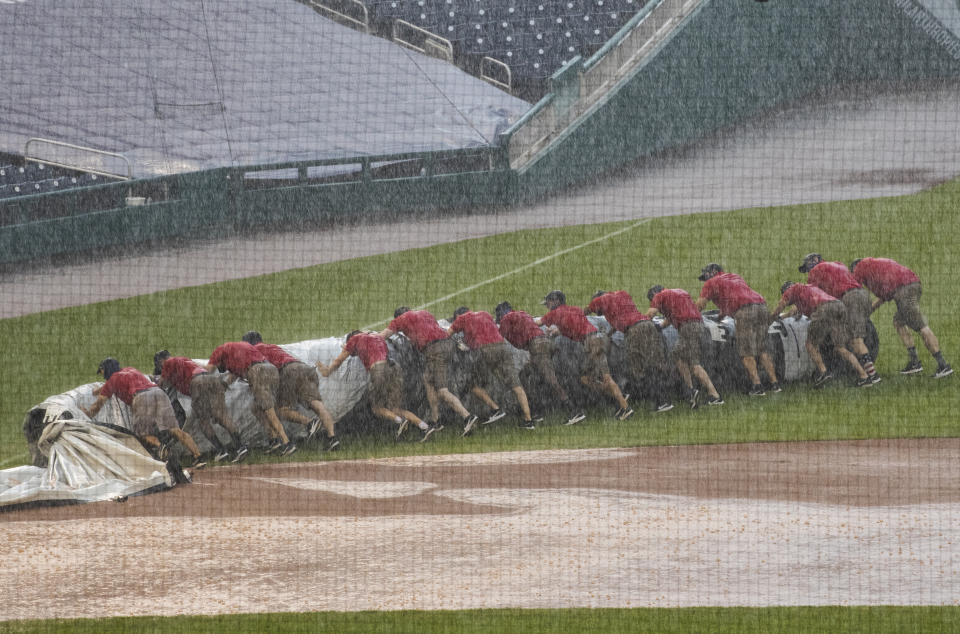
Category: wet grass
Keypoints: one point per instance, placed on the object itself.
(712, 620)
(51, 352)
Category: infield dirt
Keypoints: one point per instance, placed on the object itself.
(827, 523)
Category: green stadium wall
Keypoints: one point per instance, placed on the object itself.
(730, 60)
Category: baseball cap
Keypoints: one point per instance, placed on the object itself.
(810, 260)
(252, 337)
(557, 296)
(108, 366)
(656, 288)
(709, 271)
(502, 310)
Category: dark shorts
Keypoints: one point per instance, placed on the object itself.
(496, 359)
(386, 386)
(436, 357)
(208, 398)
(829, 323)
(688, 342)
(152, 413)
(645, 349)
(908, 312)
(264, 379)
(857, 303)
(299, 384)
(752, 322)
(596, 346)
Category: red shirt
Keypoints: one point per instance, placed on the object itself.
(675, 304)
(368, 347)
(807, 297)
(883, 276)
(833, 278)
(478, 328)
(419, 326)
(179, 371)
(125, 383)
(518, 328)
(618, 308)
(237, 356)
(275, 354)
(730, 293)
(570, 321)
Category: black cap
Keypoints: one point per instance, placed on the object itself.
(252, 337)
(502, 310)
(709, 271)
(158, 359)
(656, 288)
(458, 312)
(108, 366)
(556, 296)
(399, 311)
(810, 260)
(785, 286)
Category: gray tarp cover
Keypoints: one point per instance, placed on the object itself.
(183, 85)
(87, 463)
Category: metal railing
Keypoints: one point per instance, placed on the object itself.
(489, 64)
(82, 168)
(580, 85)
(361, 19)
(427, 43)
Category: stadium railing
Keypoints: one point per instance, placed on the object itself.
(580, 85)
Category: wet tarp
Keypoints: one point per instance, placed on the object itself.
(86, 462)
(178, 86)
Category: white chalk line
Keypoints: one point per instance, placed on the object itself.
(530, 265)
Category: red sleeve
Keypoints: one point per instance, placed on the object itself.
(707, 291)
(108, 389)
(595, 305)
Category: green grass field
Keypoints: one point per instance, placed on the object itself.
(59, 350)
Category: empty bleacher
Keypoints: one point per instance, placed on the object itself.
(532, 38)
(36, 178)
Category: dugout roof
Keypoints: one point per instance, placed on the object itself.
(184, 85)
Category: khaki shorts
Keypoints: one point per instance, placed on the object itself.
(299, 384)
(646, 352)
(541, 357)
(263, 379)
(752, 322)
(496, 359)
(857, 303)
(437, 356)
(688, 343)
(386, 386)
(908, 312)
(152, 413)
(829, 323)
(597, 346)
(208, 398)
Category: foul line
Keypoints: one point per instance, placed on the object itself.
(517, 270)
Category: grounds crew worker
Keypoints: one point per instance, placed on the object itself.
(646, 349)
(207, 399)
(386, 381)
(572, 323)
(299, 384)
(678, 309)
(153, 419)
(828, 322)
(735, 298)
(834, 279)
(888, 279)
(494, 358)
(437, 348)
(522, 332)
(243, 361)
